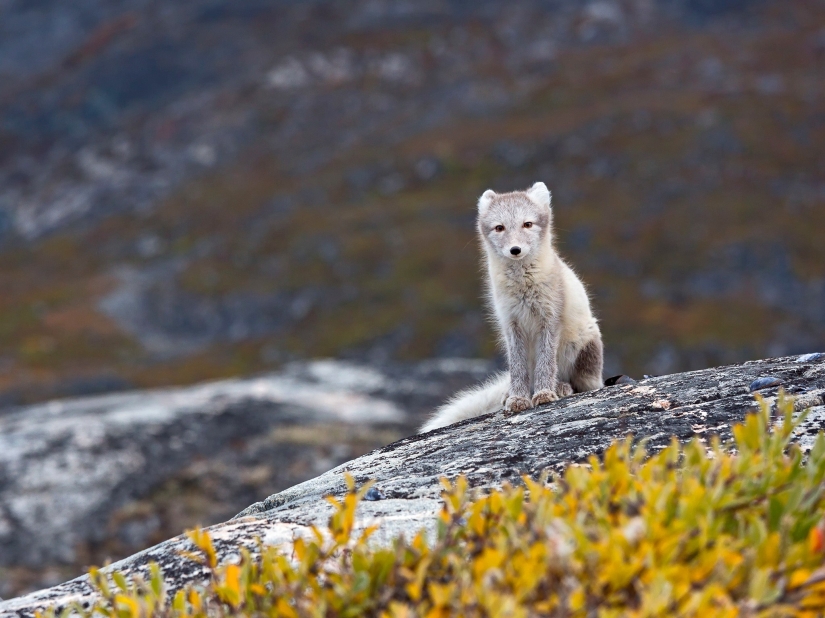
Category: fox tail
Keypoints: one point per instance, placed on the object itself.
(484, 399)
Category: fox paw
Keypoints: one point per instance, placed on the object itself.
(517, 404)
(564, 389)
(545, 396)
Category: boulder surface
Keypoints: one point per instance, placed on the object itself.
(88, 479)
(489, 451)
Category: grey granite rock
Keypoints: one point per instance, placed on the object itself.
(489, 450)
(71, 471)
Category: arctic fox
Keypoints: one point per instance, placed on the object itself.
(553, 342)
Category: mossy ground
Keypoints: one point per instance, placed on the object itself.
(687, 172)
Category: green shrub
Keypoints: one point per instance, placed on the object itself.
(695, 530)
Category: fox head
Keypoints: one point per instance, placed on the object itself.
(515, 226)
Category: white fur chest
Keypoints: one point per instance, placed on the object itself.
(524, 294)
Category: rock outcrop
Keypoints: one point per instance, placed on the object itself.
(83, 480)
(489, 450)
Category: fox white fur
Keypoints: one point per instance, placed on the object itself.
(541, 309)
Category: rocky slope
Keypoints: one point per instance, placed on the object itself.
(490, 450)
(184, 186)
(92, 479)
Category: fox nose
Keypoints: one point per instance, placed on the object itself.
(515, 250)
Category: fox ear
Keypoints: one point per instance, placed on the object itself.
(539, 194)
(485, 199)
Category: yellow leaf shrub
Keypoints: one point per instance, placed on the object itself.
(699, 530)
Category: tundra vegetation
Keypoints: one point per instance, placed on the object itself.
(698, 529)
(313, 233)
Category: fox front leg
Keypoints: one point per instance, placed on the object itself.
(518, 397)
(546, 378)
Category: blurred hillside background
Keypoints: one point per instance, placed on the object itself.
(191, 190)
(214, 188)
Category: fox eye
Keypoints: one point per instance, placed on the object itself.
(499, 228)
(528, 224)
